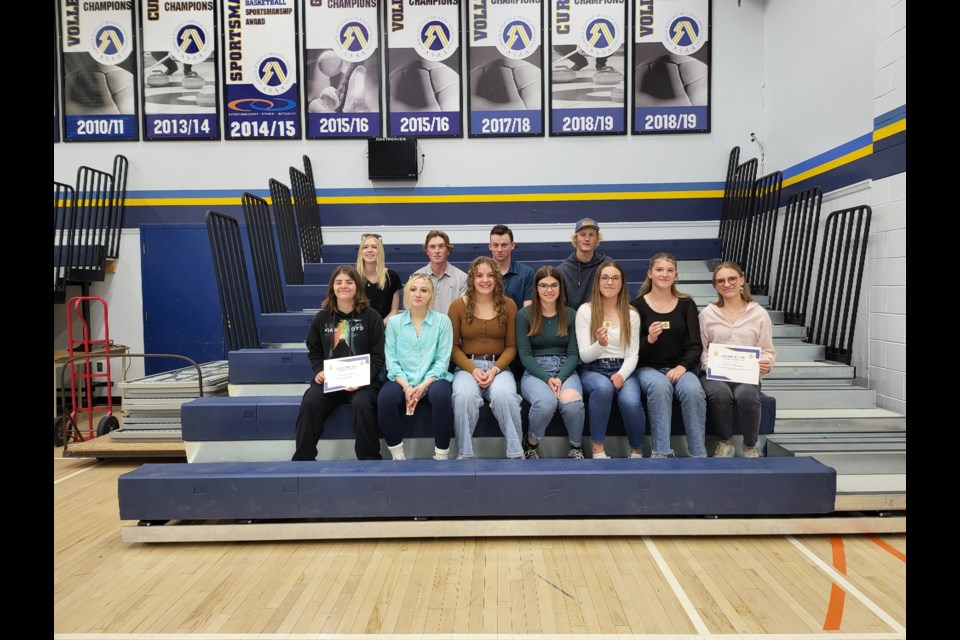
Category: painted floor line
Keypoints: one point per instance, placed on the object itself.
(75, 473)
(688, 607)
(479, 636)
(848, 587)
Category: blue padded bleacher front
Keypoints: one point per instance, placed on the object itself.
(213, 418)
(783, 485)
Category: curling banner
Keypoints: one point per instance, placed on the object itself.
(423, 63)
(179, 70)
(671, 52)
(261, 90)
(342, 68)
(588, 63)
(98, 70)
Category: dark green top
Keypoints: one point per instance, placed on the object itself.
(547, 343)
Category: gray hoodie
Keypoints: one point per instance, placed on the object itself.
(578, 277)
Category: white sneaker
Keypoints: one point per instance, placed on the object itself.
(723, 450)
(751, 452)
(397, 451)
(638, 455)
(441, 454)
(601, 456)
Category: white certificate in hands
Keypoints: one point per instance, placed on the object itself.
(343, 373)
(733, 363)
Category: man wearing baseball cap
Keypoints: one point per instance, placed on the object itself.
(581, 265)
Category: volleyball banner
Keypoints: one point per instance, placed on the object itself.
(342, 68)
(261, 89)
(671, 53)
(98, 70)
(588, 62)
(179, 70)
(505, 58)
(423, 65)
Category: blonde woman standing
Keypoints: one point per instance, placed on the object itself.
(381, 285)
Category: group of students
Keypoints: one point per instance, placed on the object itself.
(573, 329)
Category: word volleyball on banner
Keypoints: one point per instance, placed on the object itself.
(98, 66)
(342, 68)
(505, 58)
(423, 66)
(261, 90)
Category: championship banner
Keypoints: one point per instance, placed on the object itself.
(671, 52)
(423, 63)
(505, 58)
(179, 86)
(587, 66)
(98, 68)
(261, 90)
(342, 58)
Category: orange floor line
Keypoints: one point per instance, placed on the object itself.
(886, 547)
(837, 595)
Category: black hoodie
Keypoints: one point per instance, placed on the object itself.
(578, 277)
(336, 335)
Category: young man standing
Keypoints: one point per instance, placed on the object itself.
(581, 265)
(517, 277)
(449, 282)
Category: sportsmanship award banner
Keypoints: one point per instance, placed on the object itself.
(261, 90)
(98, 68)
(588, 63)
(342, 58)
(671, 51)
(505, 58)
(423, 62)
(179, 70)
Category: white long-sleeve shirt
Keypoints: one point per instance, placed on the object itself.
(591, 350)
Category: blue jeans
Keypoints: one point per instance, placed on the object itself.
(595, 378)
(543, 403)
(660, 392)
(504, 403)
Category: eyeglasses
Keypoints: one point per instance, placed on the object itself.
(731, 280)
(543, 286)
(370, 235)
(610, 278)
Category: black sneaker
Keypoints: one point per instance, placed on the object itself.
(576, 453)
(531, 454)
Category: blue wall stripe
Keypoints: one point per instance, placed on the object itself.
(895, 114)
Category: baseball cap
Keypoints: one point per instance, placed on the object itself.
(587, 222)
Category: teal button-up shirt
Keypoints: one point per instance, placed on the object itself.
(417, 357)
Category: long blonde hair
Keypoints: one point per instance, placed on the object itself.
(381, 260)
(744, 290)
(647, 285)
(623, 305)
(407, 287)
(499, 300)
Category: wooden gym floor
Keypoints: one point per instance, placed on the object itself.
(761, 588)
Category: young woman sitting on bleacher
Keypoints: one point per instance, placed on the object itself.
(608, 330)
(418, 345)
(547, 344)
(484, 344)
(381, 285)
(734, 318)
(669, 358)
(346, 325)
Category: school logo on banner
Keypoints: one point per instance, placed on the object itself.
(434, 39)
(273, 75)
(191, 43)
(111, 44)
(356, 40)
(517, 38)
(684, 34)
(600, 37)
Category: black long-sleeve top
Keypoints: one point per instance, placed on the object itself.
(336, 335)
(680, 344)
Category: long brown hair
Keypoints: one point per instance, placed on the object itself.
(536, 313)
(623, 304)
(744, 290)
(498, 297)
(360, 301)
(647, 285)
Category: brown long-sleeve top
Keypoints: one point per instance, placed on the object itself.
(482, 336)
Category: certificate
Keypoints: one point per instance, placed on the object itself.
(733, 363)
(343, 373)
